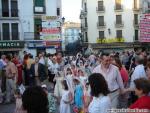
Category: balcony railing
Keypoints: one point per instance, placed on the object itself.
(100, 9)
(136, 24)
(101, 39)
(136, 39)
(118, 8)
(31, 36)
(119, 24)
(39, 10)
(10, 35)
(84, 27)
(137, 9)
(84, 12)
(9, 13)
(101, 25)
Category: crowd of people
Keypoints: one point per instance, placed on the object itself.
(97, 83)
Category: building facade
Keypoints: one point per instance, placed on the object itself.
(21, 21)
(71, 33)
(107, 22)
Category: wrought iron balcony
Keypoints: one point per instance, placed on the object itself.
(135, 24)
(100, 9)
(101, 25)
(9, 13)
(136, 9)
(10, 35)
(118, 8)
(119, 24)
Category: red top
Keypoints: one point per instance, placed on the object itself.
(124, 75)
(141, 103)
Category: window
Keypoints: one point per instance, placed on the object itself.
(118, 19)
(14, 8)
(101, 35)
(85, 7)
(135, 19)
(14, 33)
(86, 22)
(100, 6)
(5, 31)
(86, 37)
(118, 4)
(135, 4)
(39, 3)
(58, 11)
(119, 34)
(37, 27)
(100, 20)
(136, 34)
(5, 8)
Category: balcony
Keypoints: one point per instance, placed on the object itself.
(39, 10)
(118, 8)
(9, 14)
(29, 35)
(10, 35)
(135, 24)
(100, 9)
(83, 13)
(101, 25)
(101, 39)
(119, 24)
(136, 9)
(84, 27)
(136, 39)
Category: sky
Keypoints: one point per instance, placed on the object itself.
(71, 10)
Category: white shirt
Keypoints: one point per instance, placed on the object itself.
(49, 62)
(54, 68)
(100, 105)
(83, 79)
(139, 72)
(112, 77)
(42, 61)
(4, 63)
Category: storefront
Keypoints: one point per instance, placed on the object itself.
(35, 47)
(11, 47)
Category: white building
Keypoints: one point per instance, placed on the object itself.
(21, 21)
(107, 21)
(71, 33)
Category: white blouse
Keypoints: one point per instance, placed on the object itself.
(101, 104)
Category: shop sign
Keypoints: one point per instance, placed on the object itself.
(11, 44)
(45, 44)
(110, 40)
(145, 28)
(51, 28)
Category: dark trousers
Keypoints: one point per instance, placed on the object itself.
(51, 76)
(42, 72)
(132, 98)
(3, 86)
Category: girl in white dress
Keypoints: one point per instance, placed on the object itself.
(69, 78)
(66, 99)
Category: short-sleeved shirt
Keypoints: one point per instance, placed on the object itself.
(11, 70)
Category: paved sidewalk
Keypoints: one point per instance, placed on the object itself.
(7, 108)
